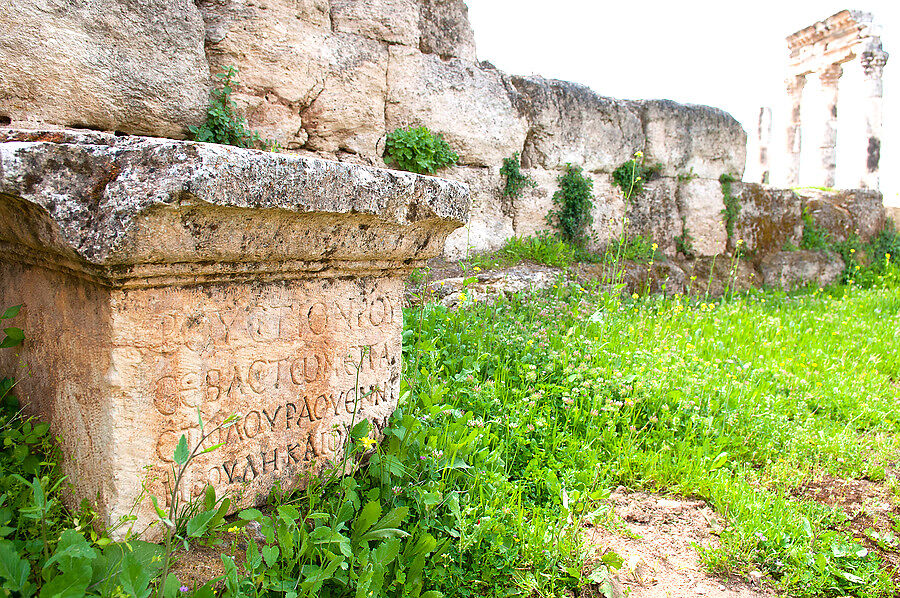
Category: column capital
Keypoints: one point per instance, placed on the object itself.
(873, 61)
(830, 75)
(795, 84)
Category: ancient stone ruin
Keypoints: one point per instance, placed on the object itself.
(821, 49)
(160, 276)
(162, 279)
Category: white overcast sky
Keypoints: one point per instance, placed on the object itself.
(728, 54)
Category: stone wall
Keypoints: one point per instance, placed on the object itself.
(332, 77)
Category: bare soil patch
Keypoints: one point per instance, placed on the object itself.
(657, 546)
(870, 508)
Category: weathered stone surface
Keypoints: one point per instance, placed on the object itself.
(570, 123)
(892, 213)
(790, 270)
(689, 138)
(333, 82)
(465, 102)
(531, 209)
(701, 206)
(445, 29)
(162, 277)
(609, 212)
(487, 286)
(137, 67)
(654, 214)
(844, 213)
(490, 217)
(769, 219)
(392, 21)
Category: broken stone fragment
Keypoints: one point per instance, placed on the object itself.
(164, 278)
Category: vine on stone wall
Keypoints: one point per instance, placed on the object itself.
(732, 205)
(516, 181)
(574, 201)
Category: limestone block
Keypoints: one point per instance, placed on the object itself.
(465, 102)
(690, 138)
(570, 123)
(845, 213)
(769, 219)
(392, 21)
(791, 270)
(104, 64)
(335, 82)
(609, 212)
(161, 277)
(701, 205)
(654, 215)
(445, 29)
(490, 218)
(892, 213)
(273, 119)
(531, 209)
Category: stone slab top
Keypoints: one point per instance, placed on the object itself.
(108, 200)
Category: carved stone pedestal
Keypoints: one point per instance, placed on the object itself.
(162, 277)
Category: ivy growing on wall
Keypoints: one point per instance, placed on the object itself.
(573, 203)
(631, 176)
(516, 181)
(732, 205)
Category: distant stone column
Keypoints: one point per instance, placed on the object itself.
(873, 61)
(795, 87)
(764, 135)
(830, 78)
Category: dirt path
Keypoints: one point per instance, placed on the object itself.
(660, 560)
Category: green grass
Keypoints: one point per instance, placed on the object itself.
(734, 401)
(517, 418)
(550, 250)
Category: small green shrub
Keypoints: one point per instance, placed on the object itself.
(685, 177)
(515, 180)
(223, 123)
(684, 242)
(885, 247)
(631, 176)
(732, 207)
(637, 249)
(418, 150)
(814, 238)
(574, 201)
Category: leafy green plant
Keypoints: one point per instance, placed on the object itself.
(418, 150)
(684, 243)
(574, 201)
(516, 181)
(814, 238)
(12, 336)
(631, 176)
(684, 177)
(637, 248)
(224, 124)
(732, 208)
(177, 525)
